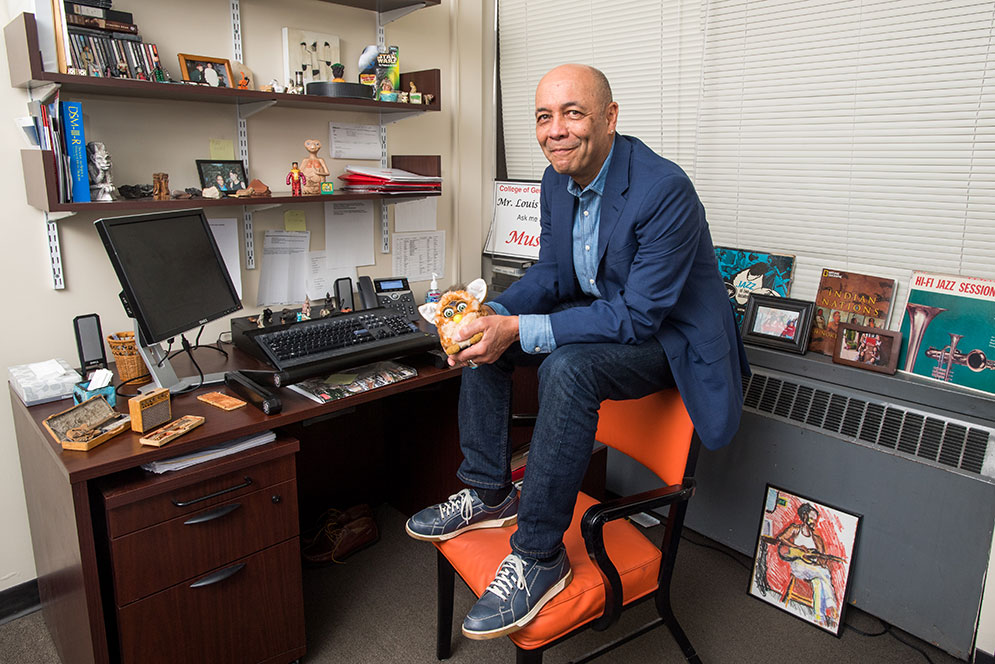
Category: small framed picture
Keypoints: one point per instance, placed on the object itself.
(215, 72)
(804, 557)
(227, 176)
(778, 322)
(870, 348)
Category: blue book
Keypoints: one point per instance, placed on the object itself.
(75, 142)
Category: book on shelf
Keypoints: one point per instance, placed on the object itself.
(353, 381)
(75, 144)
(848, 297)
(82, 9)
(101, 23)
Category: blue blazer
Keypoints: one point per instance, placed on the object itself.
(658, 278)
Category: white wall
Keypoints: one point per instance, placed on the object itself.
(147, 135)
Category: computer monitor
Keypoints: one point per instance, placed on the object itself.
(174, 279)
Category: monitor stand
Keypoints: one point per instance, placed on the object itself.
(162, 371)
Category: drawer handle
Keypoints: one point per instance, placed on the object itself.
(217, 577)
(185, 503)
(211, 515)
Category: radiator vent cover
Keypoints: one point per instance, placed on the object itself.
(923, 436)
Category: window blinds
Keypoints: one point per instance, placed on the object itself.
(855, 134)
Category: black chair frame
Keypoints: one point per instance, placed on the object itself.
(592, 529)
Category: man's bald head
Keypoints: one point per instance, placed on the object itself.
(575, 120)
(596, 80)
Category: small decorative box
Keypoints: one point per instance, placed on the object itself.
(81, 394)
(86, 425)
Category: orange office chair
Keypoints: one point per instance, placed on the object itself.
(614, 565)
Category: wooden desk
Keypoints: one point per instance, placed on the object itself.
(397, 442)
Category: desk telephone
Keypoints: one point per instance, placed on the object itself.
(390, 292)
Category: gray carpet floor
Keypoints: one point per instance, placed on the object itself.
(379, 607)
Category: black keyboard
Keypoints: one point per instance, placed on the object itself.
(343, 340)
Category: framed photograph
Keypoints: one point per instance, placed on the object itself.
(778, 322)
(803, 558)
(867, 347)
(227, 176)
(204, 70)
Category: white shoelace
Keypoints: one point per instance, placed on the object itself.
(510, 574)
(458, 501)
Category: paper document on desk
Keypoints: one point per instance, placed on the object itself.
(208, 453)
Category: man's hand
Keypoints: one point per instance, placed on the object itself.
(499, 333)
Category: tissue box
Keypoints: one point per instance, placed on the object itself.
(81, 394)
(34, 390)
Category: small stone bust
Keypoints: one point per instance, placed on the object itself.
(98, 163)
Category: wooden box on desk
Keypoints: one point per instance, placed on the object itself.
(94, 413)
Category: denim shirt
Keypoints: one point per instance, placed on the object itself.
(535, 332)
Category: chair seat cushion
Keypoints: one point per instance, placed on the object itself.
(475, 555)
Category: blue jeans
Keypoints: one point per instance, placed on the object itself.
(573, 381)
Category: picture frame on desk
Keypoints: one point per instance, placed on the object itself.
(205, 70)
(228, 175)
(867, 347)
(778, 322)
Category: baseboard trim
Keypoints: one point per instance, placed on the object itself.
(19, 600)
(982, 657)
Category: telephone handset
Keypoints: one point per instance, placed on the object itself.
(391, 292)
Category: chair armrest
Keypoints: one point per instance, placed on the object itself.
(592, 528)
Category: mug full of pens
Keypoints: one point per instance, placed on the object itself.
(130, 365)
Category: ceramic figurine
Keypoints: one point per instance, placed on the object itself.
(98, 163)
(429, 97)
(306, 309)
(338, 73)
(243, 83)
(295, 179)
(402, 97)
(313, 168)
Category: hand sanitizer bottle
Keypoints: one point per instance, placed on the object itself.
(433, 293)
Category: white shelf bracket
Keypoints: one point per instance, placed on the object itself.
(394, 14)
(384, 215)
(250, 245)
(54, 253)
(251, 108)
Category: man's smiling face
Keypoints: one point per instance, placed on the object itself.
(575, 122)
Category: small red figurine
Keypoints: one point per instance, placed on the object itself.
(295, 179)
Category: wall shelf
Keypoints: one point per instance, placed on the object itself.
(40, 177)
(26, 71)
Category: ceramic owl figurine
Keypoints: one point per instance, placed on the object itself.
(453, 310)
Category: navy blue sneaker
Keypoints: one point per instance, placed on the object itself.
(519, 590)
(462, 512)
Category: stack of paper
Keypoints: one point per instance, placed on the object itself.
(388, 181)
(208, 453)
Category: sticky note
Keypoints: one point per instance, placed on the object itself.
(222, 149)
(294, 220)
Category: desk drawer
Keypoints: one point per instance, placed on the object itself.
(181, 495)
(154, 558)
(252, 612)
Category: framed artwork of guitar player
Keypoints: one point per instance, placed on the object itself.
(803, 558)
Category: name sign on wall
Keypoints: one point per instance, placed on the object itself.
(515, 227)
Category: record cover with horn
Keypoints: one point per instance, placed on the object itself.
(948, 330)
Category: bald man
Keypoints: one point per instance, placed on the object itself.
(625, 300)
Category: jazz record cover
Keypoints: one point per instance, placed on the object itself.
(848, 297)
(948, 330)
(746, 271)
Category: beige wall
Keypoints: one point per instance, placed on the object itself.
(146, 135)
